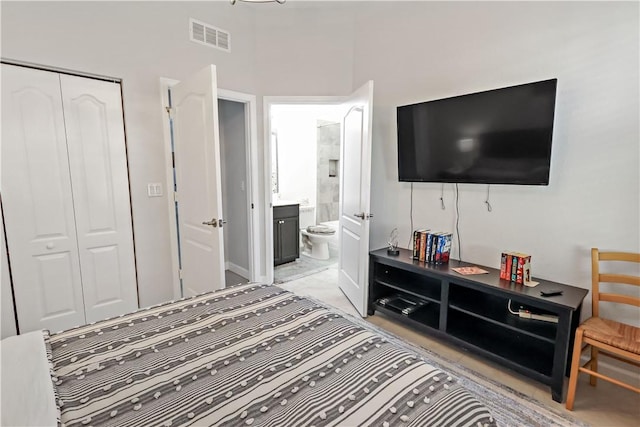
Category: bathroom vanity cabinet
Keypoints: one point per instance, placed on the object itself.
(286, 233)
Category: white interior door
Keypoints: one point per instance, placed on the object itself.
(98, 166)
(38, 202)
(355, 184)
(198, 182)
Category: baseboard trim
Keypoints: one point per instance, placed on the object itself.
(237, 269)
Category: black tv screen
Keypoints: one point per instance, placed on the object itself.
(500, 136)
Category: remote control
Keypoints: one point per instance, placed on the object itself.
(550, 293)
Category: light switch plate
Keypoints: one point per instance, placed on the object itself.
(154, 189)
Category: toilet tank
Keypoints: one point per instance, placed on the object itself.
(307, 216)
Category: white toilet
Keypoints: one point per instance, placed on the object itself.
(315, 239)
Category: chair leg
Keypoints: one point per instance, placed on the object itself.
(575, 365)
(594, 366)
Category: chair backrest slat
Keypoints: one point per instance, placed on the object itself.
(619, 278)
(597, 278)
(619, 256)
(624, 299)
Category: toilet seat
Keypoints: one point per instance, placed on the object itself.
(320, 230)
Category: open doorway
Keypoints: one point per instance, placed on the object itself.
(305, 163)
(235, 202)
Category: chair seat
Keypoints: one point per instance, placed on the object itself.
(616, 334)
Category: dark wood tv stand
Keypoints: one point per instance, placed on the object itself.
(472, 311)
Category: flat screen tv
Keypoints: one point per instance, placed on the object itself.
(500, 136)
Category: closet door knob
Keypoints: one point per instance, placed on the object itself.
(50, 245)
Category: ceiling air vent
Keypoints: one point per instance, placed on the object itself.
(209, 35)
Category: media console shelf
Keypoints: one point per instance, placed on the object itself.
(473, 311)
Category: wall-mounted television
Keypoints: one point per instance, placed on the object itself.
(500, 136)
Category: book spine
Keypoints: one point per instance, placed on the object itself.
(446, 250)
(430, 252)
(427, 243)
(507, 272)
(437, 257)
(503, 265)
(423, 245)
(416, 245)
(514, 267)
(519, 270)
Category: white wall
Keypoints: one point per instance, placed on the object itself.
(296, 128)
(231, 116)
(445, 49)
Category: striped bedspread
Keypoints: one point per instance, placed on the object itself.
(251, 355)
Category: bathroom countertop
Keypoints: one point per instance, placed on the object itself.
(284, 203)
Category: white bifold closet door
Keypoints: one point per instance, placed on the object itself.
(65, 196)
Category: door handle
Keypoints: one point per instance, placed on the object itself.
(363, 215)
(220, 222)
(212, 223)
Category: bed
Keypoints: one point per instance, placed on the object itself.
(250, 355)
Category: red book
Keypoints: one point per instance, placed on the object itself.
(507, 272)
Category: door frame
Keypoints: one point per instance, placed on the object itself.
(268, 102)
(251, 149)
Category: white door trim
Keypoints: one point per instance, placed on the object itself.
(253, 192)
(268, 102)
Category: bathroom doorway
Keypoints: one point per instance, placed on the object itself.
(305, 163)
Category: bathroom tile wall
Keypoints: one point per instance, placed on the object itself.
(328, 179)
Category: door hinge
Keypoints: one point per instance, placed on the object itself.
(175, 196)
(251, 205)
(180, 274)
(169, 111)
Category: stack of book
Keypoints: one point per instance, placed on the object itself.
(431, 247)
(515, 267)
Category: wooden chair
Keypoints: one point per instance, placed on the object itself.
(605, 336)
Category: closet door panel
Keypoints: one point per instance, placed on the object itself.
(38, 203)
(98, 164)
